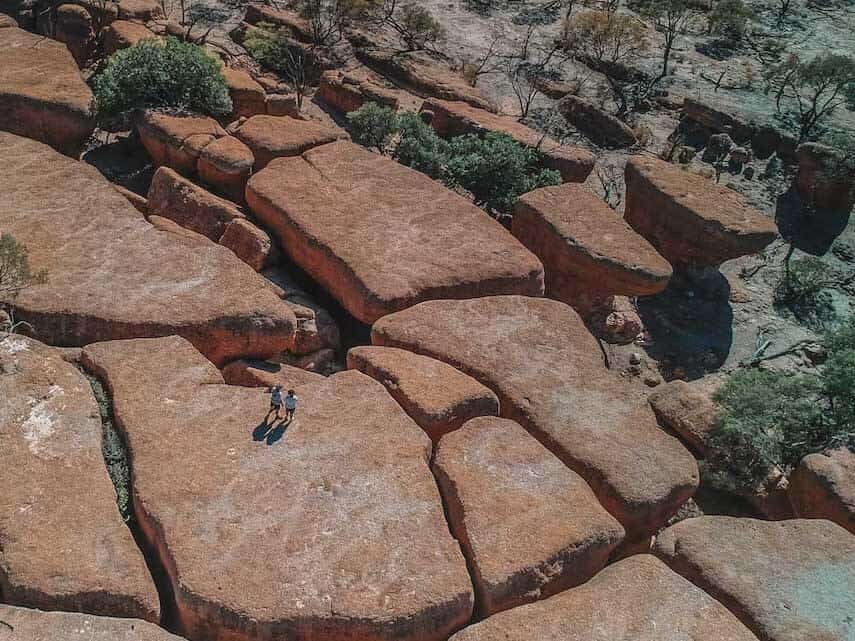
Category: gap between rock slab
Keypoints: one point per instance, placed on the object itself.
(118, 465)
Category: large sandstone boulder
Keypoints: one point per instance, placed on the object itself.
(823, 487)
(21, 624)
(786, 580)
(250, 243)
(42, 94)
(529, 526)
(122, 34)
(589, 253)
(717, 121)
(825, 179)
(688, 411)
(346, 92)
(435, 395)
(548, 373)
(458, 118)
(381, 237)
(687, 218)
(63, 545)
(113, 275)
(272, 137)
(73, 26)
(264, 374)
(598, 125)
(247, 95)
(336, 533)
(177, 141)
(226, 164)
(636, 599)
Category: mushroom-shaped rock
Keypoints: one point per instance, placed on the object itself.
(381, 237)
(172, 196)
(272, 137)
(548, 373)
(42, 94)
(121, 34)
(786, 580)
(589, 253)
(177, 141)
(823, 487)
(688, 411)
(63, 544)
(22, 624)
(688, 219)
(265, 374)
(226, 164)
(458, 118)
(529, 526)
(346, 503)
(247, 95)
(435, 395)
(111, 274)
(636, 599)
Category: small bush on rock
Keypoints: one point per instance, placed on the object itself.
(420, 148)
(15, 271)
(373, 126)
(151, 74)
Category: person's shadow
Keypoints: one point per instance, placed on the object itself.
(269, 431)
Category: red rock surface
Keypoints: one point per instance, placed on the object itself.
(122, 34)
(688, 410)
(172, 196)
(113, 275)
(689, 219)
(42, 94)
(249, 243)
(589, 253)
(272, 137)
(140, 10)
(33, 625)
(346, 92)
(246, 94)
(225, 164)
(823, 487)
(636, 599)
(72, 25)
(292, 21)
(265, 374)
(177, 141)
(63, 545)
(381, 237)
(786, 580)
(344, 503)
(548, 373)
(458, 118)
(529, 526)
(435, 395)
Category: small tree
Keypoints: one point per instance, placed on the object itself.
(151, 74)
(15, 271)
(528, 63)
(419, 147)
(327, 18)
(670, 18)
(415, 25)
(730, 19)
(274, 48)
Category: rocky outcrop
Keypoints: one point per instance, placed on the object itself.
(688, 411)
(589, 253)
(636, 599)
(113, 275)
(247, 95)
(265, 374)
(598, 125)
(717, 121)
(122, 34)
(177, 141)
(381, 237)
(42, 94)
(688, 219)
(458, 118)
(63, 545)
(272, 137)
(548, 373)
(346, 503)
(825, 179)
(823, 487)
(252, 245)
(226, 164)
(22, 624)
(72, 25)
(786, 580)
(529, 526)
(435, 395)
(140, 10)
(346, 92)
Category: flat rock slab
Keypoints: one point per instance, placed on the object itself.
(336, 531)
(548, 373)
(688, 410)
(689, 219)
(529, 526)
(177, 141)
(786, 580)
(113, 275)
(637, 599)
(459, 118)
(381, 237)
(34, 625)
(588, 251)
(823, 487)
(272, 137)
(63, 544)
(42, 94)
(435, 395)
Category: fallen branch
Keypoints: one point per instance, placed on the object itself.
(759, 358)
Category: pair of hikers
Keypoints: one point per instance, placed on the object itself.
(277, 400)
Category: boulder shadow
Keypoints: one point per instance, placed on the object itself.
(811, 230)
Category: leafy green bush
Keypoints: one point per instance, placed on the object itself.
(494, 169)
(151, 74)
(772, 419)
(416, 27)
(730, 19)
(803, 290)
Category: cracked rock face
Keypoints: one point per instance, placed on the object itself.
(63, 545)
(328, 528)
(20, 624)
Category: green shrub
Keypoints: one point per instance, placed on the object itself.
(420, 148)
(373, 126)
(496, 169)
(15, 271)
(730, 19)
(173, 74)
(803, 290)
(772, 419)
(416, 27)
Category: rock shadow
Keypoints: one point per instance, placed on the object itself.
(124, 162)
(811, 230)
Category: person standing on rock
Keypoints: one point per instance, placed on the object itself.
(290, 405)
(275, 400)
